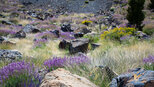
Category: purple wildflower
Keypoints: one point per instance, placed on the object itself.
(7, 31)
(57, 62)
(39, 42)
(67, 35)
(125, 37)
(149, 59)
(17, 70)
(46, 33)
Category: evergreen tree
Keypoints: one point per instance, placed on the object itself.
(135, 15)
(151, 4)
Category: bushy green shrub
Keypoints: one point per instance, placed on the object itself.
(118, 33)
(135, 15)
(148, 31)
(93, 39)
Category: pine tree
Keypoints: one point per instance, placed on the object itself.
(151, 4)
(135, 15)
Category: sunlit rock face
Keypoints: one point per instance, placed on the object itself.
(74, 5)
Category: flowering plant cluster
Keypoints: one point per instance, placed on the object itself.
(7, 31)
(57, 62)
(19, 74)
(118, 33)
(149, 59)
(149, 62)
(42, 38)
(39, 42)
(86, 22)
(67, 35)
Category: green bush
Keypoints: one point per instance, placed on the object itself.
(148, 31)
(135, 15)
(92, 38)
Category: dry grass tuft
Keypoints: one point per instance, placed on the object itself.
(122, 57)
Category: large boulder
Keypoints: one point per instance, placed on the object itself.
(10, 55)
(79, 45)
(134, 78)
(63, 78)
(31, 29)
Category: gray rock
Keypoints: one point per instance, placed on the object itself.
(42, 16)
(134, 78)
(10, 55)
(20, 34)
(7, 22)
(2, 16)
(31, 29)
(141, 35)
(2, 39)
(64, 44)
(66, 27)
(95, 45)
(78, 35)
(79, 45)
(85, 31)
(55, 32)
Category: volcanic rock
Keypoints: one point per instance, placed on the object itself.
(66, 28)
(20, 34)
(134, 78)
(10, 55)
(79, 45)
(31, 29)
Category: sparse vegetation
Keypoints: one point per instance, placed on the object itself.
(117, 46)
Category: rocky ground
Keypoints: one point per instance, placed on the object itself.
(60, 43)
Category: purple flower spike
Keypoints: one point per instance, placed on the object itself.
(149, 59)
(56, 62)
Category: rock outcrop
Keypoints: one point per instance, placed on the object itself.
(79, 45)
(30, 29)
(66, 28)
(134, 78)
(10, 55)
(20, 34)
(63, 78)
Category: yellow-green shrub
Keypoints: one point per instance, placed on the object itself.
(117, 33)
(86, 22)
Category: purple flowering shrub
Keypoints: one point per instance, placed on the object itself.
(4, 32)
(149, 62)
(58, 62)
(19, 74)
(39, 42)
(42, 38)
(67, 35)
